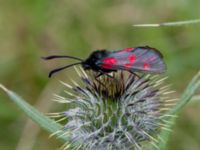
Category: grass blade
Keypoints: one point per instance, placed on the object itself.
(177, 23)
(191, 89)
(189, 92)
(39, 118)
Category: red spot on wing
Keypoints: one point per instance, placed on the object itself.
(106, 66)
(108, 62)
(132, 58)
(146, 66)
(127, 66)
(127, 49)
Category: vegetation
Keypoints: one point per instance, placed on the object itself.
(31, 29)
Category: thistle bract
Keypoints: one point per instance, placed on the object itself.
(122, 112)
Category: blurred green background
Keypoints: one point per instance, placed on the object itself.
(31, 29)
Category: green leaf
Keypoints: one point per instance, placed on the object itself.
(39, 118)
(195, 100)
(191, 89)
(189, 92)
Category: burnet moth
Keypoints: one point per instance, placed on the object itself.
(139, 59)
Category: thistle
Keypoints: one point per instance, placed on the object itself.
(124, 112)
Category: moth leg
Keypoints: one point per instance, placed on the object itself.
(135, 74)
(100, 82)
(97, 76)
(111, 77)
(102, 73)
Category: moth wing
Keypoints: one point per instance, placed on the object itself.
(142, 59)
(148, 60)
(114, 60)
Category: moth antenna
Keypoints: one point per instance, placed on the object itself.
(61, 56)
(59, 69)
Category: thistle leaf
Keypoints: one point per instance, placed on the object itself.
(195, 100)
(191, 89)
(39, 118)
(189, 92)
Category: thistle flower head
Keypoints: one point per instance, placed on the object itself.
(125, 111)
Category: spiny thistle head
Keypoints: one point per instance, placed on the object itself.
(122, 112)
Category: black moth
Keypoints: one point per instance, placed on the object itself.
(138, 59)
